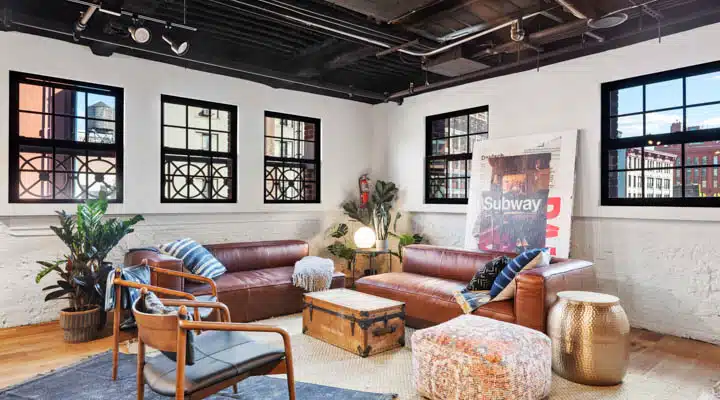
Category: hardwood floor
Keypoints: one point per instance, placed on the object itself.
(30, 350)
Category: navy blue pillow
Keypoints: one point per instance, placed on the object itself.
(528, 259)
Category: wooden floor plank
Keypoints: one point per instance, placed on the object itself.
(34, 349)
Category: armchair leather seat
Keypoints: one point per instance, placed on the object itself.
(219, 355)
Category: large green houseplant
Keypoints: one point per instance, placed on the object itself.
(82, 272)
(377, 215)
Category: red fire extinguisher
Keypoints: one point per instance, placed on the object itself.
(364, 184)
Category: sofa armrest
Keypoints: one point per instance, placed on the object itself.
(536, 289)
(158, 260)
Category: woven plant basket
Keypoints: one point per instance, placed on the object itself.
(80, 326)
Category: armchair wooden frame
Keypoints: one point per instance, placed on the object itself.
(119, 283)
(166, 334)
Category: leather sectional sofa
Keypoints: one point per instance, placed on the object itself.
(431, 275)
(258, 281)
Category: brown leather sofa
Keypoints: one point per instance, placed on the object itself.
(258, 281)
(431, 275)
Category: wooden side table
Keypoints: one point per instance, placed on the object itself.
(371, 254)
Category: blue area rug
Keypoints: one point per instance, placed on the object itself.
(90, 380)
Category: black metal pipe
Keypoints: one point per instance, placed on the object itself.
(477, 75)
(316, 85)
(81, 24)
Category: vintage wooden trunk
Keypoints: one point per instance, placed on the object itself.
(357, 322)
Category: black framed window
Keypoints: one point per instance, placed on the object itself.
(663, 129)
(292, 158)
(199, 151)
(450, 139)
(66, 140)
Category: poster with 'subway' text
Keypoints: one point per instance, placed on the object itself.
(521, 193)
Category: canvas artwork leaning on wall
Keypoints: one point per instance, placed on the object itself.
(521, 193)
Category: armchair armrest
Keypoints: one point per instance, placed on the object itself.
(536, 289)
(182, 274)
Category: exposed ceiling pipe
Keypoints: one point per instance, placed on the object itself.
(81, 24)
(559, 32)
(383, 44)
(579, 15)
(98, 7)
(473, 76)
(572, 9)
(377, 42)
(328, 87)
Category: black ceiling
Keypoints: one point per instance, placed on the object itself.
(369, 50)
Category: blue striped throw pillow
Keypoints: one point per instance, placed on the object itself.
(502, 288)
(195, 257)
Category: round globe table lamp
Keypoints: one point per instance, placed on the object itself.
(364, 238)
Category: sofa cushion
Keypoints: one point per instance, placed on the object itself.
(243, 280)
(447, 263)
(249, 256)
(441, 289)
(428, 301)
(259, 294)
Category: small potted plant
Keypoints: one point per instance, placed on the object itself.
(82, 272)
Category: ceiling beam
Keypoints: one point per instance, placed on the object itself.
(339, 61)
(436, 10)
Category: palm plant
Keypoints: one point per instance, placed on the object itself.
(89, 237)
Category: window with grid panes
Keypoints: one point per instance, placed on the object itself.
(671, 120)
(66, 140)
(450, 138)
(198, 151)
(292, 158)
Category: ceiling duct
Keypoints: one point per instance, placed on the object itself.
(453, 63)
(382, 10)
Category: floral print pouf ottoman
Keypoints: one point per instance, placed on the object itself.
(478, 358)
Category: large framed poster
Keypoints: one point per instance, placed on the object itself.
(521, 193)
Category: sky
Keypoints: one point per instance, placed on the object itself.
(700, 89)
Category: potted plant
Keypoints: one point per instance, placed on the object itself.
(381, 221)
(82, 272)
(376, 214)
(341, 247)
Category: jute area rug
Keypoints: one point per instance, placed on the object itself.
(391, 372)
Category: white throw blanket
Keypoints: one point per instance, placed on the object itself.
(313, 273)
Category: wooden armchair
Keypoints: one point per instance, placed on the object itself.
(119, 283)
(241, 356)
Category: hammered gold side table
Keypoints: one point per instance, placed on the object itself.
(590, 338)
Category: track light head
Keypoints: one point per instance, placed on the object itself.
(179, 47)
(140, 34)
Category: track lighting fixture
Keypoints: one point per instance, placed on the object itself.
(140, 34)
(179, 47)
